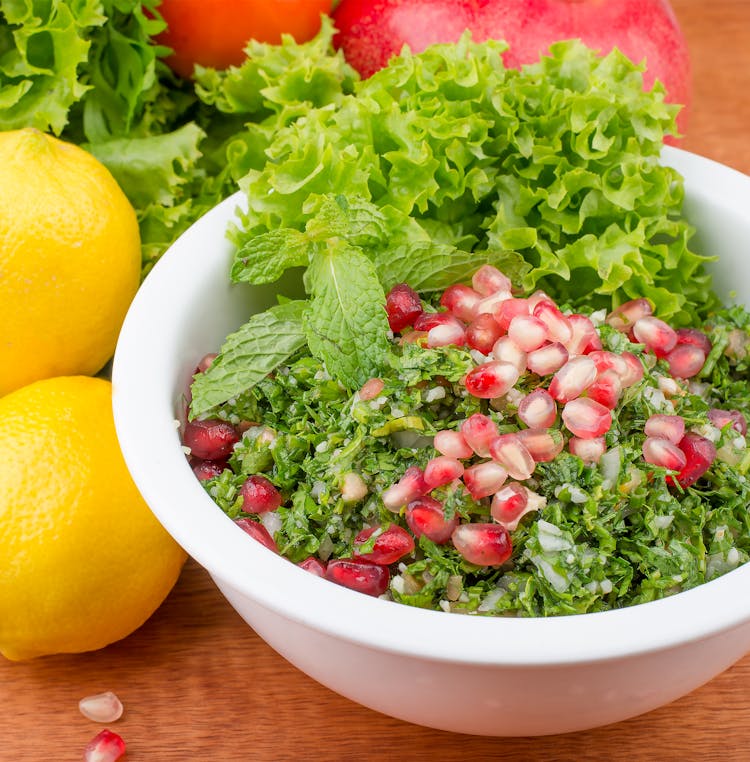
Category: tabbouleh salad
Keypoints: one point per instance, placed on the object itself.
(510, 388)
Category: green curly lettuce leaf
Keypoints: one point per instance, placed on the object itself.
(555, 167)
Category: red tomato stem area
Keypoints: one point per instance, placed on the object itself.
(215, 34)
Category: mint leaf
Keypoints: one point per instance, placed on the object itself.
(249, 354)
(351, 217)
(346, 323)
(263, 258)
(428, 266)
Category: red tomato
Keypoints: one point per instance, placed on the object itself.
(215, 32)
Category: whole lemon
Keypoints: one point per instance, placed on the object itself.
(84, 561)
(69, 259)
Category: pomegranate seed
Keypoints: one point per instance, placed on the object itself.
(482, 333)
(537, 409)
(633, 370)
(528, 332)
(259, 495)
(391, 544)
(449, 334)
(104, 747)
(663, 453)
(669, 427)
(605, 360)
(205, 362)
(512, 454)
(429, 320)
(491, 304)
(425, 516)
(584, 338)
(573, 378)
(659, 337)
(483, 544)
(506, 350)
(543, 444)
(722, 418)
(360, 575)
(442, 470)
(624, 317)
(484, 479)
(314, 566)
(695, 337)
(488, 280)
(700, 454)
(210, 439)
(547, 359)
(685, 360)
(409, 487)
(606, 389)
(371, 388)
(479, 430)
(403, 306)
(452, 444)
(102, 707)
(509, 503)
(510, 308)
(208, 469)
(586, 418)
(588, 450)
(258, 532)
(491, 379)
(539, 297)
(558, 327)
(462, 301)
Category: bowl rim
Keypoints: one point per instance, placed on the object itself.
(180, 503)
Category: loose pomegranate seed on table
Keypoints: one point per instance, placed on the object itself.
(105, 746)
(505, 413)
(101, 707)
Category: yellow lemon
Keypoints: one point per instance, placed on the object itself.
(83, 560)
(69, 259)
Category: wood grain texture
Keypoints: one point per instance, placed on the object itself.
(198, 684)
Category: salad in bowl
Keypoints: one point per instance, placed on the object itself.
(450, 399)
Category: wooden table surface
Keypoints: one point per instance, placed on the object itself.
(199, 685)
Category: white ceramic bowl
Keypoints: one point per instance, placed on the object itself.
(503, 677)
